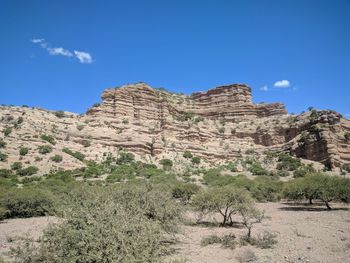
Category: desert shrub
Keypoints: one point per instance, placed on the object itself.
(346, 167)
(347, 136)
(3, 214)
(23, 151)
(184, 191)
(282, 173)
(3, 157)
(225, 200)
(230, 166)
(60, 114)
(27, 202)
(121, 172)
(167, 163)
(226, 241)
(5, 173)
(30, 170)
(256, 169)
(20, 120)
(304, 170)
(80, 127)
(56, 158)
(149, 172)
(319, 186)
(86, 143)
(2, 143)
(250, 216)
(263, 241)
(287, 162)
(198, 120)
(125, 157)
(187, 155)
(112, 230)
(45, 149)
(221, 130)
(266, 189)
(16, 166)
(77, 155)
(7, 131)
(196, 160)
(48, 138)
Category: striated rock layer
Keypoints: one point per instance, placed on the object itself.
(219, 125)
(140, 101)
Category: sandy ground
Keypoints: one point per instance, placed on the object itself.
(13, 229)
(304, 234)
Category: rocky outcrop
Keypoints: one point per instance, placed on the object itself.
(218, 125)
(141, 102)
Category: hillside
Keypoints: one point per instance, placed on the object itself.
(221, 124)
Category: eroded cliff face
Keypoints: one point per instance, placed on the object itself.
(219, 125)
(141, 102)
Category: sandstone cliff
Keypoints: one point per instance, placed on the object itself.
(218, 125)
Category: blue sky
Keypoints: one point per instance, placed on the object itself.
(296, 52)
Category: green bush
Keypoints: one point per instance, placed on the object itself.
(60, 114)
(30, 170)
(304, 170)
(196, 160)
(3, 214)
(16, 166)
(107, 225)
(86, 143)
(56, 158)
(120, 173)
(2, 143)
(184, 191)
(48, 138)
(256, 169)
(77, 155)
(27, 202)
(287, 162)
(347, 136)
(5, 173)
(3, 157)
(23, 151)
(125, 157)
(187, 155)
(167, 163)
(227, 241)
(7, 131)
(45, 149)
(20, 120)
(267, 189)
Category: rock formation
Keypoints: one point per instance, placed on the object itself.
(218, 125)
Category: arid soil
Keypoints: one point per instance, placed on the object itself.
(304, 234)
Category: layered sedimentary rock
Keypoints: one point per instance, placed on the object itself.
(218, 125)
(140, 101)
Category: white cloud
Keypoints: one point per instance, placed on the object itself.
(282, 84)
(84, 57)
(59, 51)
(37, 40)
(264, 88)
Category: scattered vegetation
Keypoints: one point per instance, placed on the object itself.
(56, 158)
(45, 149)
(187, 155)
(48, 138)
(60, 114)
(77, 155)
(23, 151)
(2, 143)
(30, 170)
(3, 157)
(7, 131)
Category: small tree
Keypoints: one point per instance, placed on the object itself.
(2, 143)
(3, 157)
(250, 216)
(226, 201)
